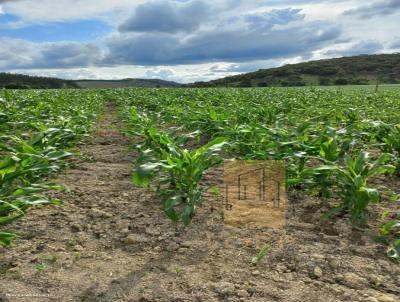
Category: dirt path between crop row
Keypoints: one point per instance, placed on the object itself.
(111, 242)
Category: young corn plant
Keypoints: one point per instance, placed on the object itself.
(352, 182)
(261, 254)
(390, 230)
(391, 144)
(180, 172)
(329, 153)
(302, 175)
(19, 173)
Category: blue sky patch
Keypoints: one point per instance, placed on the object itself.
(79, 31)
(7, 18)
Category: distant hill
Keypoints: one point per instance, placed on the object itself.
(357, 70)
(125, 83)
(20, 81)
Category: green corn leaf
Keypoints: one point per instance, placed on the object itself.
(386, 228)
(9, 218)
(8, 165)
(394, 250)
(6, 238)
(57, 155)
(212, 146)
(143, 173)
(169, 206)
(186, 214)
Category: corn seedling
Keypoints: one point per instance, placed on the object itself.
(352, 182)
(261, 254)
(180, 172)
(390, 230)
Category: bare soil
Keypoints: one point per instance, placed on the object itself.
(110, 241)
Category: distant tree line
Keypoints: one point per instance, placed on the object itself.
(357, 70)
(20, 81)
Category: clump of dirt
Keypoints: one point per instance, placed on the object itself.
(111, 241)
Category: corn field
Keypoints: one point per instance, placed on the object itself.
(336, 145)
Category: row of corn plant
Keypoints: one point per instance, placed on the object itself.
(38, 132)
(335, 142)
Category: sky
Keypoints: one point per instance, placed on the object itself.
(187, 40)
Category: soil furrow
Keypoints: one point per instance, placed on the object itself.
(111, 241)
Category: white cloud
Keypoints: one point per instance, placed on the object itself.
(32, 11)
(156, 73)
(352, 49)
(377, 8)
(257, 36)
(326, 10)
(62, 10)
(17, 53)
(180, 73)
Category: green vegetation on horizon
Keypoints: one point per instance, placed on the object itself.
(20, 81)
(126, 83)
(356, 70)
